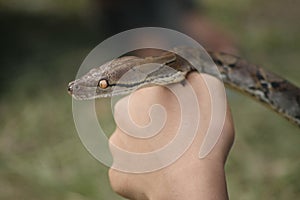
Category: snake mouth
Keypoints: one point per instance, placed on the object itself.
(81, 92)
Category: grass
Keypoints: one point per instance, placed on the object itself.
(41, 156)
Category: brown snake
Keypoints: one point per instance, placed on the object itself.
(275, 92)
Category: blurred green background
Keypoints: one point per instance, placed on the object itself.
(42, 46)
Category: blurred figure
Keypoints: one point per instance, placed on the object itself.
(186, 16)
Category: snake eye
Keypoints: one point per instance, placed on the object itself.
(103, 83)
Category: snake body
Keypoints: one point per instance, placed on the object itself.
(107, 80)
(275, 92)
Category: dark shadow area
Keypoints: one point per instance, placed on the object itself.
(34, 45)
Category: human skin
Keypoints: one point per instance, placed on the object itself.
(188, 177)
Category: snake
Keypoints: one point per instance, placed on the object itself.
(172, 67)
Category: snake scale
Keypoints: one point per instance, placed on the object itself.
(275, 92)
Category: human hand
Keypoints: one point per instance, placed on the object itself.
(188, 177)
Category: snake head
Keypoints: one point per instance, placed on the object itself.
(121, 76)
(106, 80)
(96, 83)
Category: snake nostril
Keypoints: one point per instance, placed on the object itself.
(70, 87)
